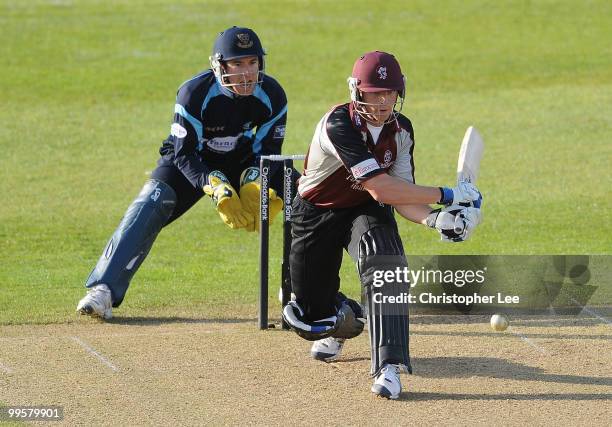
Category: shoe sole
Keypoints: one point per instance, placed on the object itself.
(88, 310)
(384, 392)
(325, 357)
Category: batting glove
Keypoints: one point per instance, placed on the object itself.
(454, 223)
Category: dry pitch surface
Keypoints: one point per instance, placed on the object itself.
(187, 371)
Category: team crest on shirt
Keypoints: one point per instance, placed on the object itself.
(244, 41)
(388, 156)
(387, 159)
(382, 72)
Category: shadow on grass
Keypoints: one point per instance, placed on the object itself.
(426, 396)
(159, 320)
(351, 359)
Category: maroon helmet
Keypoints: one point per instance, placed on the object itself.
(374, 72)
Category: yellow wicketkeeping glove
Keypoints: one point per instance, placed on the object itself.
(227, 202)
(250, 187)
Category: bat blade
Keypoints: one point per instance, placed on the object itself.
(468, 164)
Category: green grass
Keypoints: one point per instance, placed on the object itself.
(87, 89)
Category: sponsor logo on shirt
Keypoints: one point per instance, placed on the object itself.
(178, 130)
(222, 144)
(354, 184)
(279, 132)
(365, 167)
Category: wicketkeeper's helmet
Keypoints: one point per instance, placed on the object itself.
(235, 42)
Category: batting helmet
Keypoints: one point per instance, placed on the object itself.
(374, 72)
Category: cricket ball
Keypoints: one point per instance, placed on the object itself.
(499, 322)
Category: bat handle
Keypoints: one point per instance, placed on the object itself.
(457, 228)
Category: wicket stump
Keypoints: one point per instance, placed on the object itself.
(288, 193)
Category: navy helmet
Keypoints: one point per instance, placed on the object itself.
(235, 42)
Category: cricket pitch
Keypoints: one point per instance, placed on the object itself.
(139, 371)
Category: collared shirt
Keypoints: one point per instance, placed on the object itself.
(342, 155)
(213, 128)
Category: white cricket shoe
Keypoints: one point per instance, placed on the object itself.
(387, 383)
(97, 302)
(327, 349)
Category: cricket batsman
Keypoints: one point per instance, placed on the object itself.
(224, 119)
(359, 170)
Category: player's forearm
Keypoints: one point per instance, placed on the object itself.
(414, 213)
(194, 169)
(394, 191)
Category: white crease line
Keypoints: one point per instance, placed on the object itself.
(5, 369)
(95, 353)
(593, 313)
(129, 335)
(527, 340)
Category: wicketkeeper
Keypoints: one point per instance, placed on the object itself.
(358, 171)
(224, 119)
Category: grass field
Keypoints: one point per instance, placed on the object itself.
(87, 90)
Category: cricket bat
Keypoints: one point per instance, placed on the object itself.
(468, 164)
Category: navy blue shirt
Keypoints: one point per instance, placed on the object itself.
(215, 129)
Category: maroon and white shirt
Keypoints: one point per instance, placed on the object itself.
(343, 154)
